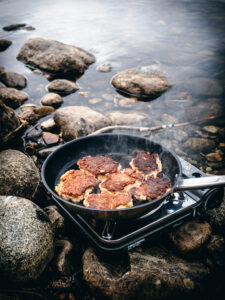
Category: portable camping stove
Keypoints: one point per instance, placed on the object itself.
(115, 236)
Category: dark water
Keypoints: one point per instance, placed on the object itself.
(184, 39)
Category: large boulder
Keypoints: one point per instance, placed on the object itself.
(12, 97)
(10, 124)
(139, 84)
(78, 121)
(54, 57)
(26, 240)
(18, 175)
(13, 79)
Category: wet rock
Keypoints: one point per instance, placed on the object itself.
(44, 110)
(121, 118)
(48, 125)
(26, 241)
(54, 57)
(204, 86)
(127, 102)
(13, 80)
(29, 28)
(94, 101)
(56, 219)
(52, 99)
(152, 273)
(4, 44)
(214, 156)
(216, 218)
(50, 139)
(63, 257)
(191, 237)
(18, 175)
(14, 27)
(30, 116)
(168, 119)
(199, 144)
(84, 94)
(12, 97)
(27, 107)
(214, 253)
(63, 86)
(140, 83)
(45, 152)
(104, 68)
(211, 129)
(77, 121)
(10, 124)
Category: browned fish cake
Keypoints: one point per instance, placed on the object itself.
(75, 185)
(98, 165)
(152, 188)
(146, 163)
(106, 200)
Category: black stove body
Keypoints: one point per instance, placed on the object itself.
(116, 236)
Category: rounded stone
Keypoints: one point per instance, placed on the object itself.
(121, 118)
(140, 83)
(12, 97)
(52, 99)
(199, 144)
(26, 240)
(191, 237)
(13, 80)
(62, 86)
(18, 175)
(44, 110)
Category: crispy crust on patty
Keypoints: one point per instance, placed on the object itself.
(75, 185)
(98, 165)
(106, 200)
(146, 163)
(152, 188)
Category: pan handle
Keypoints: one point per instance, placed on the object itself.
(200, 183)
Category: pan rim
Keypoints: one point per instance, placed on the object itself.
(52, 192)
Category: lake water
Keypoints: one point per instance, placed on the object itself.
(184, 39)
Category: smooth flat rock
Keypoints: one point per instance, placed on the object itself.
(54, 57)
(191, 237)
(48, 125)
(4, 44)
(50, 139)
(18, 175)
(13, 80)
(12, 97)
(121, 118)
(150, 273)
(26, 240)
(62, 86)
(78, 121)
(45, 110)
(104, 68)
(140, 83)
(52, 99)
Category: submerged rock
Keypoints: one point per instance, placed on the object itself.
(77, 121)
(4, 44)
(199, 144)
(63, 86)
(12, 97)
(13, 79)
(204, 86)
(26, 240)
(52, 99)
(140, 83)
(14, 27)
(151, 273)
(104, 68)
(54, 57)
(121, 118)
(18, 175)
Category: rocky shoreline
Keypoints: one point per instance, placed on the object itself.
(40, 252)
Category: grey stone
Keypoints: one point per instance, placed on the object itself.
(54, 57)
(56, 219)
(12, 97)
(14, 27)
(10, 124)
(145, 273)
(26, 240)
(52, 99)
(216, 218)
(63, 86)
(4, 44)
(199, 144)
(27, 107)
(140, 83)
(121, 118)
(18, 175)
(191, 237)
(45, 152)
(77, 121)
(13, 80)
(30, 116)
(63, 257)
(104, 68)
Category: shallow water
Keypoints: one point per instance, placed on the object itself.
(184, 39)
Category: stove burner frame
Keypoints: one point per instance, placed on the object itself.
(115, 236)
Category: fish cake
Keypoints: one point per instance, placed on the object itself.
(152, 188)
(98, 165)
(146, 163)
(106, 200)
(75, 185)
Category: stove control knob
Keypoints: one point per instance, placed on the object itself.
(181, 196)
